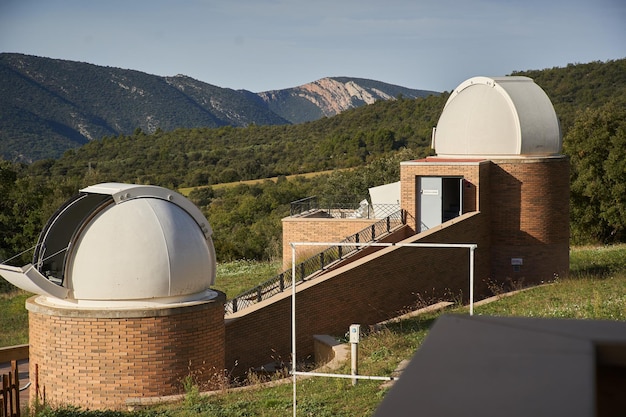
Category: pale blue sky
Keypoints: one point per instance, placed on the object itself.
(262, 45)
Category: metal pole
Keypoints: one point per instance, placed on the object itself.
(293, 323)
(471, 280)
(354, 361)
(471, 247)
(347, 376)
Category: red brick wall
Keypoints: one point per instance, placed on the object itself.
(529, 201)
(98, 359)
(474, 173)
(303, 229)
(517, 208)
(367, 291)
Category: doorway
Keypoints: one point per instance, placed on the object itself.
(440, 200)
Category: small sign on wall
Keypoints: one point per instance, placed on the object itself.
(517, 261)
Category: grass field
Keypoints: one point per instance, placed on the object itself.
(596, 289)
(186, 190)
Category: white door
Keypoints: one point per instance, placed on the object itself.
(430, 202)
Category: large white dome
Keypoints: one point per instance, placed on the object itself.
(498, 116)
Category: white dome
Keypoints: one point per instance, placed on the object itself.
(142, 248)
(123, 244)
(500, 116)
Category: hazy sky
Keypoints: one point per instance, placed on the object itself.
(262, 45)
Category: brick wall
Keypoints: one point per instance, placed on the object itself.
(529, 201)
(367, 291)
(475, 173)
(303, 229)
(98, 358)
(516, 208)
(526, 200)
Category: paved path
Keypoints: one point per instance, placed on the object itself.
(22, 369)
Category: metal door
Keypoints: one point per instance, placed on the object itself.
(430, 202)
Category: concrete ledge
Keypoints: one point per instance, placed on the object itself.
(442, 305)
(328, 351)
(37, 304)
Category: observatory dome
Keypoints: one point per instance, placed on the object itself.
(121, 242)
(497, 117)
(144, 248)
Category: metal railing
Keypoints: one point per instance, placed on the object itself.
(303, 205)
(342, 207)
(316, 263)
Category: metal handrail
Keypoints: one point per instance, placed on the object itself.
(303, 205)
(314, 264)
(342, 207)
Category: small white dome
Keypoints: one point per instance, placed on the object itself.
(124, 244)
(500, 116)
(142, 248)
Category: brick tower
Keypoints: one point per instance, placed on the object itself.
(498, 147)
(125, 308)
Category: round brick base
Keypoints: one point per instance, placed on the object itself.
(98, 359)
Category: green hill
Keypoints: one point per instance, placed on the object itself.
(49, 105)
(589, 99)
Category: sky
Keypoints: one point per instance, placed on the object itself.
(261, 45)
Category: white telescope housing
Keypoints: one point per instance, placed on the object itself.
(497, 117)
(121, 243)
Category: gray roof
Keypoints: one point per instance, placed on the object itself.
(497, 366)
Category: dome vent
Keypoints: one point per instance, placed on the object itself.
(497, 117)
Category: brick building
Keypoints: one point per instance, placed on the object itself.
(498, 180)
(124, 306)
(122, 315)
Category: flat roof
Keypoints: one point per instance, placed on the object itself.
(512, 366)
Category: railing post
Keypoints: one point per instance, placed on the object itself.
(321, 260)
(15, 390)
(259, 294)
(234, 305)
(302, 271)
(373, 232)
(356, 239)
(388, 223)
(340, 252)
(6, 395)
(281, 279)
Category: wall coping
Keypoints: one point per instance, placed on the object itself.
(37, 304)
(433, 161)
(303, 286)
(330, 219)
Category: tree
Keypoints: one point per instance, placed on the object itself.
(596, 145)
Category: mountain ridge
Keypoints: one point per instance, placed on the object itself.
(48, 106)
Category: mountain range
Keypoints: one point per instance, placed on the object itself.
(48, 106)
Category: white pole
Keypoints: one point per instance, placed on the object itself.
(293, 323)
(348, 376)
(471, 247)
(354, 361)
(471, 279)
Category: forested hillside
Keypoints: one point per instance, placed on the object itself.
(589, 99)
(48, 106)
(191, 157)
(577, 87)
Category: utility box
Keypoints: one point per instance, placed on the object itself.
(355, 333)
